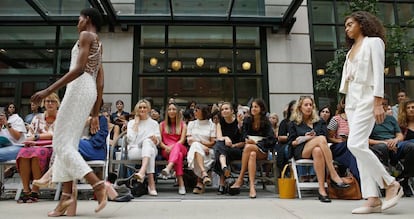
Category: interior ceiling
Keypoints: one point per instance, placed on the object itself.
(277, 14)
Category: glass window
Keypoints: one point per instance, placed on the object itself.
(405, 13)
(153, 60)
(342, 8)
(341, 32)
(248, 89)
(324, 37)
(185, 60)
(26, 61)
(200, 36)
(152, 36)
(323, 57)
(30, 36)
(322, 12)
(202, 89)
(68, 36)
(248, 61)
(386, 13)
(63, 63)
(16, 8)
(63, 7)
(247, 36)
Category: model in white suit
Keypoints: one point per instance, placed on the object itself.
(363, 83)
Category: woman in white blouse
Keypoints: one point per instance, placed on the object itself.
(143, 135)
(201, 136)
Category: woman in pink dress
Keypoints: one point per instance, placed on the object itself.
(173, 133)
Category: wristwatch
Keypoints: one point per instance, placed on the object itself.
(36, 137)
(9, 125)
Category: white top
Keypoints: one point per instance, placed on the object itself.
(17, 124)
(146, 129)
(201, 130)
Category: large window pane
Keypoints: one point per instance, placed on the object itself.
(185, 60)
(203, 90)
(26, 61)
(63, 7)
(248, 61)
(248, 89)
(16, 8)
(247, 36)
(200, 36)
(33, 36)
(322, 57)
(322, 12)
(405, 13)
(342, 8)
(386, 13)
(324, 37)
(153, 36)
(68, 36)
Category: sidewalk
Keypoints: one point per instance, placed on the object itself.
(170, 205)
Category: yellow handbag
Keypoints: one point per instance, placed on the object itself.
(287, 186)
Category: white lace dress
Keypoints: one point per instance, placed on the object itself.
(76, 106)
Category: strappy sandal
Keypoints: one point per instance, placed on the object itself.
(198, 189)
(34, 196)
(206, 179)
(62, 206)
(226, 172)
(25, 197)
(104, 198)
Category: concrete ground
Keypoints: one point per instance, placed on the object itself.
(169, 204)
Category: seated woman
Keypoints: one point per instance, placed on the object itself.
(338, 131)
(32, 161)
(143, 136)
(229, 144)
(12, 134)
(259, 138)
(405, 150)
(307, 136)
(113, 129)
(201, 135)
(173, 132)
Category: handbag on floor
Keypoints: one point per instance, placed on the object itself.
(287, 186)
(353, 192)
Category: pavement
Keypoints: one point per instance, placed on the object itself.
(170, 205)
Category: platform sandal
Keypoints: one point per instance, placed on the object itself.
(63, 205)
(25, 197)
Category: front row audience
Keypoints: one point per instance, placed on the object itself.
(214, 145)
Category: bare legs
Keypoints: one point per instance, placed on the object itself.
(318, 149)
(250, 154)
(29, 167)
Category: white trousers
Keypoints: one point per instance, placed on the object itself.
(147, 149)
(361, 122)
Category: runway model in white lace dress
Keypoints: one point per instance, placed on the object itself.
(83, 96)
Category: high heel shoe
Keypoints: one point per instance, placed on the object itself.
(42, 183)
(62, 206)
(104, 198)
(140, 178)
(324, 198)
(340, 185)
(152, 192)
(111, 192)
(71, 211)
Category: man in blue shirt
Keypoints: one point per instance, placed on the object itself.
(387, 142)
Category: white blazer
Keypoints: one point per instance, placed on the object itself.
(369, 78)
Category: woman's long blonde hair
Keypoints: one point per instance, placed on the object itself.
(297, 115)
(402, 113)
(168, 123)
(147, 103)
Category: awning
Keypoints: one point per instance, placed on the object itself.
(275, 14)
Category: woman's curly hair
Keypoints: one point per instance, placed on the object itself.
(402, 113)
(371, 26)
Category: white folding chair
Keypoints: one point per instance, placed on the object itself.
(303, 185)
